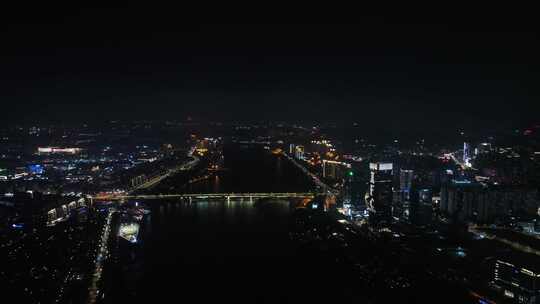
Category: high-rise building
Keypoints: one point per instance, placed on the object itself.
(421, 207)
(483, 148)
(334, 169)
(465, 200)
(517, 283)
(405, 179)
(405, 182)
(466, 153)
(299, 152)
(486, 203)
(379, 196)
(425, 196)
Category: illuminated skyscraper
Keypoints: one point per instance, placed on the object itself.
(466, 152)
(379, 196)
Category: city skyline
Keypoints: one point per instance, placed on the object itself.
(148, 158)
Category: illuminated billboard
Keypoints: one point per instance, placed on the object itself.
(35, 169)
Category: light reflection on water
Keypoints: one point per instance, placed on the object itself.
(204, 240)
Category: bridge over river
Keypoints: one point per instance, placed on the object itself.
(206, 196)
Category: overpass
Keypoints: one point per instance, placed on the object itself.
(206, 196)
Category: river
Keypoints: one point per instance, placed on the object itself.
(218, 251)
(252, 169)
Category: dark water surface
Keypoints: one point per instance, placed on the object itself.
(254, 170)
(217, 251)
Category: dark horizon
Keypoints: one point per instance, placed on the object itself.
(434, 72)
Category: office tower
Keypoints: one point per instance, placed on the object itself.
(405, 182)
(379, 196)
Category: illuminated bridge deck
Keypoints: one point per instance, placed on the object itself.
(210, 196)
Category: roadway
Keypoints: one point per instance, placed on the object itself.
(484, 232)
(192, 196)
(103, 250)
(463, 165)
(313, 177)
(101, 256)
(456, 160)
(155, 180)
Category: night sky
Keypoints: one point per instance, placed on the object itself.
(397, 71)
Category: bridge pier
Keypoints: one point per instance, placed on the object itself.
(190, 200)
